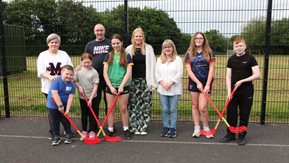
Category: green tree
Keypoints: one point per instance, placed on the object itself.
(280, 36)
(254, 33)
(75, 24)
(2, 6)
(73, 21)
(217, 41)
(156, 24)
(184, 43)
(31, 14)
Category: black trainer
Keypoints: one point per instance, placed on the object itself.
(56, 141)
(50, 137)
(164, 132)
(68, 139)
(127, 134)
(109, 133)
(228, 138)
(172, 133)
(241, 138)
(241, 141)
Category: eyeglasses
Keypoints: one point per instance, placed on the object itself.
(167, 47)
(199, 38)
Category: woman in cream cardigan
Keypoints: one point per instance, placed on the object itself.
(143, 82)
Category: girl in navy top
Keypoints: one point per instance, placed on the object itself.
(200, 63)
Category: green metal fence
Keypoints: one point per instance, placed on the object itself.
(14, 49)
(227, 16)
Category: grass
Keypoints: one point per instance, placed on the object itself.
(26, 99)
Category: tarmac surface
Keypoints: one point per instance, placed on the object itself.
(25, 139)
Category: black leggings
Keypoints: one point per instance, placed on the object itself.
(243, 99)
(86, 114)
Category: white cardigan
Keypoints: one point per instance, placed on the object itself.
(150, 65)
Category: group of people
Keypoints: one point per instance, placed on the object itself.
(132, 74)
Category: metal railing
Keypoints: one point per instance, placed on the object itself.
(228, 18)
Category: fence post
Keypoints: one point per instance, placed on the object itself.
(266, 61)
(3, 63)
(126, 26)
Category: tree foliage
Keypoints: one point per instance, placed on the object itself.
(71, 20)
(217, 41)
(255, 35)
(156, 24)
(74, 22)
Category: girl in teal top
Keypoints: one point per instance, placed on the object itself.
(117, 72)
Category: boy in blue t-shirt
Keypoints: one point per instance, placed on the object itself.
(59, 102)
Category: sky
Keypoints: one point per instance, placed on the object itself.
(227, 16)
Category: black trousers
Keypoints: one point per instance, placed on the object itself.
(86, 115)
(241, 105)
(100, 90)
(56, 117)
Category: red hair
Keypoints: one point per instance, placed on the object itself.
(86, 55)
(238, 40)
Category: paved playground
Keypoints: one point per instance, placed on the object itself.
(24, 139)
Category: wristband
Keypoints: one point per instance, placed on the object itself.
(60, 106)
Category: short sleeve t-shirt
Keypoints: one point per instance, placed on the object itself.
(51, 64)
(116, 72)
(86, 78)
(241, 67)
(64, 90)
(200, 66)
(98, 49)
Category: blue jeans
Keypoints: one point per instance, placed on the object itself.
(170, 110)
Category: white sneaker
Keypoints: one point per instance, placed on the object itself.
(196, 134)
(143, 133)
(137, 133)
(209, 134)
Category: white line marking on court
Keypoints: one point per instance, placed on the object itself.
(22, 136)
(29, 137)
(159, 142)
(202, 143)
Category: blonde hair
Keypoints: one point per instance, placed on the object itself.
(52, 36)
(168, 42)
(192, 50)
(132, 51)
